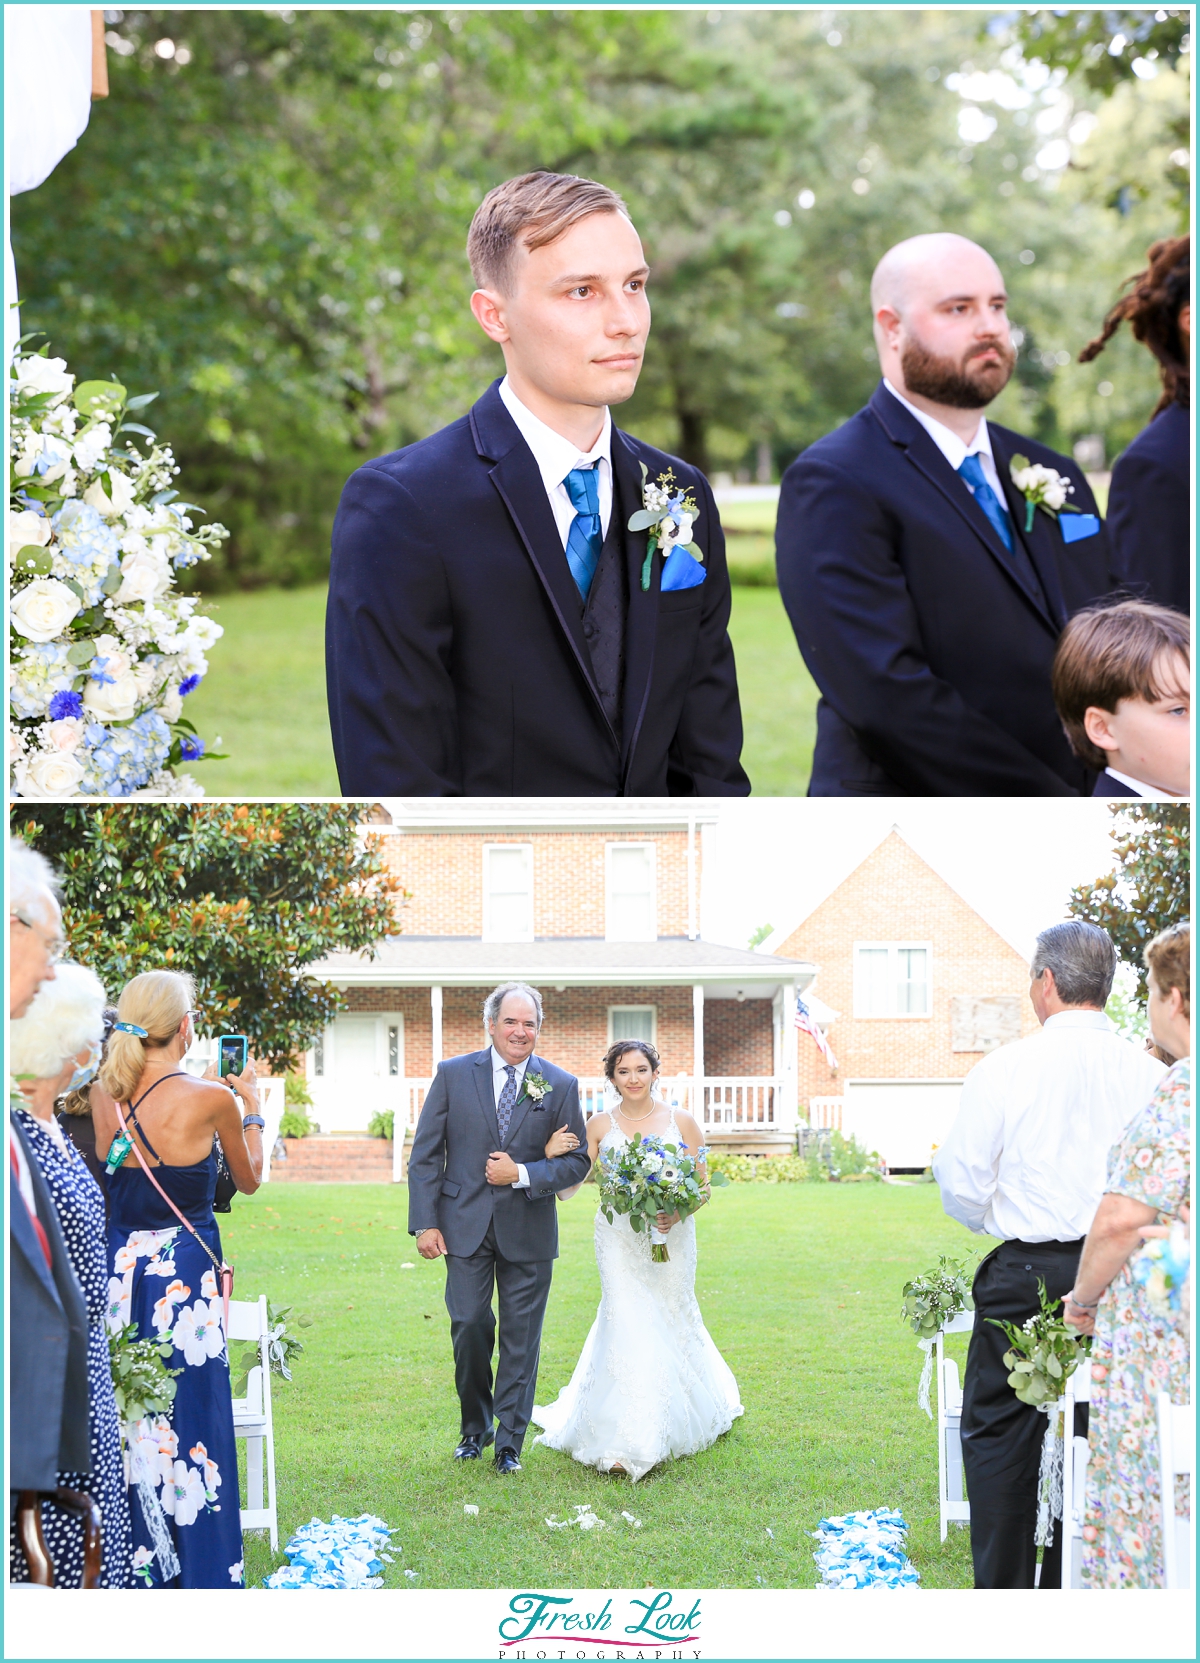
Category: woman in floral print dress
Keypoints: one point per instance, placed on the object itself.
(183, 1479)
(1136, 1353)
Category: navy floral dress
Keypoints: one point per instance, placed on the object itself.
(183, 1476)
(80, 1208)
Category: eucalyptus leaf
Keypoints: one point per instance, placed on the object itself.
(94, 396)
(136, 427)
(34, 559)
(81, 653)
(644, 519)
(113, 578)
(141, 401)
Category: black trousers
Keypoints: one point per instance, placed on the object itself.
(523, 1287)
(1001, 1436)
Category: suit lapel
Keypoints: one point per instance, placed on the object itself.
(641, 621)
(519, 483)
(487, 1101)
(521, 1107)
(905, 431)
(1038, 541)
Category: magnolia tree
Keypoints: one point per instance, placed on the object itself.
(103, 649)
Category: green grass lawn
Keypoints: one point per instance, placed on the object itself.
(264, 696)
(800, 1288)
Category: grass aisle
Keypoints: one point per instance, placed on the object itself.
(265, 696)
(800, 1288)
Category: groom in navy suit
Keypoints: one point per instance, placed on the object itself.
(494, 627)
(926, 596)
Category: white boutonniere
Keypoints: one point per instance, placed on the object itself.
(537, 1089)
(1042, 488)
(669, 514)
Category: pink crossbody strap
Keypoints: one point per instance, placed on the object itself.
(224, 1271)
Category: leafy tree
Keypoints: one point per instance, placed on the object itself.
(244, 896)
(1105, 47)
(1148, 888)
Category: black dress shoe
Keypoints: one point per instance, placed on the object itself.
(472, 1444)
(506, 1460)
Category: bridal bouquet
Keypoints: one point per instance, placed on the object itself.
(647, 1177)
(104, 650)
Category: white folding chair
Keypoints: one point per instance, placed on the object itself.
(952, 1496)
(1177, 1454)
(252, 1417)
(1075, 1464)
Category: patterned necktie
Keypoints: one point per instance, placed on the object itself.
(508, 1099)
(971, 472)
(584, 539)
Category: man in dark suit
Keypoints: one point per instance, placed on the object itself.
(494, 627)
(1149, 509)
(925, 594)
(482, 1193)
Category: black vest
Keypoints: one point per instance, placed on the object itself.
(604, 620)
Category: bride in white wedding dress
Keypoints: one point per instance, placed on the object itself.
(650, 1385)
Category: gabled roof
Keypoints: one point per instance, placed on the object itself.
(468, 962)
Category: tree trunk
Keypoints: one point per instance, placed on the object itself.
(693, 438)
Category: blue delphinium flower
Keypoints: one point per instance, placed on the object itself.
(189, 685)
(65, 704)
(97, 672)
(190, 749)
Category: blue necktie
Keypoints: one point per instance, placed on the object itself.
(584, 539)
(508, 1098)
(971, 472)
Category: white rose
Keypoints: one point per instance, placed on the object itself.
(48, 774)
(114, 701)
(171, 708)
(26, 527)
(66, 734)
(1055, 494)
(43, 375)
(43, 609)
(121, 500)
(142, 577)
(90, 447)
(117, 660)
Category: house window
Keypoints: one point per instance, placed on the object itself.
(393, 1049)
(631, 913)
(508, 892)
(632, 1022)
(319, 1056)
(891, 978)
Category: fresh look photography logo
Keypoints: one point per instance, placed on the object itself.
(657, 1625)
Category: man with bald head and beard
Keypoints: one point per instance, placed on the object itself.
(925, 602)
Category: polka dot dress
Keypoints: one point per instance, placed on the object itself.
(80, 1208)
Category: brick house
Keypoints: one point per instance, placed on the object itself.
(914, 987)
(598, 909)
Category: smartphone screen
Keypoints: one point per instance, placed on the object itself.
(232, 1054)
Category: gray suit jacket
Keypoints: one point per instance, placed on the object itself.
(456, 1133)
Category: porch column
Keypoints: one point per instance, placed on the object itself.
(697, 1103)
(790, 1111)
(435, 1012)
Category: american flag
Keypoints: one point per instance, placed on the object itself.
(807, 1025)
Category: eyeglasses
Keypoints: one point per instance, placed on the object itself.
(55, 945)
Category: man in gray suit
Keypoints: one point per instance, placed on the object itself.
(482, 1193)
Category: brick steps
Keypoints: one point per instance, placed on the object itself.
(333, 1158)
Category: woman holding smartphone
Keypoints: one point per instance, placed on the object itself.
(156, 1129)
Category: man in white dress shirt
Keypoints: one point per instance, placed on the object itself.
(482, 1194)
(494, 626)
(926, 595)
(1025, 1161)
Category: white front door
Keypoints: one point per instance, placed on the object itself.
(357, 1070)
(904, 1120)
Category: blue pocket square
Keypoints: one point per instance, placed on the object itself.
(1075, 527)
(681, 571)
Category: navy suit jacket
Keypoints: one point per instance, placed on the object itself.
(931, 648)
(1107, 785)
(455, 652)
(1148, 506)
(458, 1130)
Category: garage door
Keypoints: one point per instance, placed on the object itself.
(904, 1120)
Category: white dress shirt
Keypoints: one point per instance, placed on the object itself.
(952, 447)
(499, 1081)
(556, 456)
(1027, 1155)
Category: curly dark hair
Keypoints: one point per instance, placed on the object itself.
(1152, 307)
(622, 1047)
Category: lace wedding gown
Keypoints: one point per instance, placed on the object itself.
(650, 1384)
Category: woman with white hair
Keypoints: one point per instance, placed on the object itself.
(55, 1048)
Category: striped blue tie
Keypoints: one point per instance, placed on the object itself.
(971, 471)
(508, 1101)
(584, 539)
